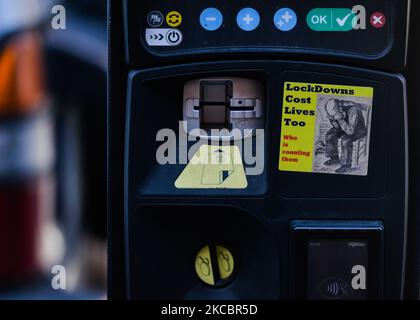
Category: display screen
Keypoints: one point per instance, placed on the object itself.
(346, 26)
(337, 269)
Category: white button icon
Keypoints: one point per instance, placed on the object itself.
(377, 20)
(156, 37)
(174, 37)
(287, 17)
(248, 19)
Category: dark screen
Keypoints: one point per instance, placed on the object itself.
(332, 268)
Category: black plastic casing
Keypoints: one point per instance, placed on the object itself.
(156, 229)
(177, 223)
(266, 41)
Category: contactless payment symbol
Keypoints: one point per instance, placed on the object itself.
(335, 288)
(211, 19)
(285, 19)
(174, 19)
(214, 265)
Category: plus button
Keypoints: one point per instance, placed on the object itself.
(248, 19)
(287, 17)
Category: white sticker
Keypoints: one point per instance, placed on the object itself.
(158, 37)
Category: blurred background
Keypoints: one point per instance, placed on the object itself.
(52, 148)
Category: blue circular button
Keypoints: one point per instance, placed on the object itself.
(155, 19)
(211, 19)
(248, 19)
(285, 19)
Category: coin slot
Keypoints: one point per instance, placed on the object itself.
(215, 265)
(218, 106)
(214, 104)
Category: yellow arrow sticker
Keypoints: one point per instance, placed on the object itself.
(214, 167)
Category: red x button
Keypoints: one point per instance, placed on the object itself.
(378, 20)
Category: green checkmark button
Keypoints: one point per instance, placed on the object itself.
(331, 19)
(342, 19)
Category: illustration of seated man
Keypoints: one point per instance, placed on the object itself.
(348, 124)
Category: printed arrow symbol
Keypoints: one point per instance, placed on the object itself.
(225, 175)
(156, 36)
(220, 154)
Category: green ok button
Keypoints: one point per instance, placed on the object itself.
(331, 19)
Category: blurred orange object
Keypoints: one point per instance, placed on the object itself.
(26, 158)
(22, 85)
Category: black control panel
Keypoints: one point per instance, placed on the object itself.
(372, 30)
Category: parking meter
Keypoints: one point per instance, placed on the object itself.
(258, 150)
